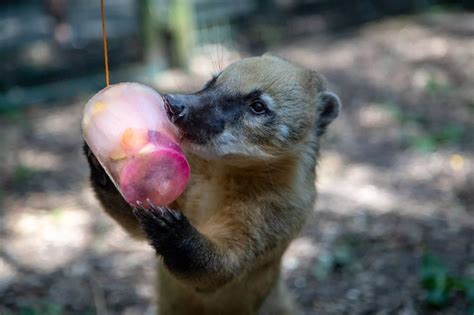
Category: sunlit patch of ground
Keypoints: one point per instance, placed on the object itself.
(395, 181)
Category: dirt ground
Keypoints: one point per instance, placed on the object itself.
(396, 181)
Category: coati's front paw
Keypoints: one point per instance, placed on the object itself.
(168, 230)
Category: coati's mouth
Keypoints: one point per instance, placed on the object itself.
(173, 117)
(168, 110)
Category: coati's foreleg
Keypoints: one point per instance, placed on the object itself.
(190, 255)
(183, 248)
(110, 198)
(209, 259)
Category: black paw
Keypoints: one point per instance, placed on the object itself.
(168, 231)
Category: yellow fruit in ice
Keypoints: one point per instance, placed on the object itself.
(117, 154)
(98, 107)
(133, 139)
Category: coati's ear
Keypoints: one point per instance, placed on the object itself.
(329, 106)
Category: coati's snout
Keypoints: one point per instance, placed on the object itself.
(197, 116)
(176, 106)
(257, 108)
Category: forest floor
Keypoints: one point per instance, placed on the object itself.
(393, 227)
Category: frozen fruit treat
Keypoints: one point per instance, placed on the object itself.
(126, 127)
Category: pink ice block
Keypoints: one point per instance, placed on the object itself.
(126, 127)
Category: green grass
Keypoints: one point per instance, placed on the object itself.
(342, 257)
(403, 118)
(22, 174)
(434, 87)
(44, 308)
(440, 285)
(429, 142)
(471, 106)
(56, 214)
(416, 131)
(13, 114)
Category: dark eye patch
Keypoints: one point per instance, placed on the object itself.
(214, 109)
(253, 96)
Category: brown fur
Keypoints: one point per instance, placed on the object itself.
(247, 208)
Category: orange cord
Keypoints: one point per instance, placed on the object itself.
(104, 36)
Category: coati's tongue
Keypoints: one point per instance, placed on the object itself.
(127, 129)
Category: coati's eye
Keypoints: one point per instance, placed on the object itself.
(258, 107)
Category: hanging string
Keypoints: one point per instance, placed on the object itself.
(104, 36)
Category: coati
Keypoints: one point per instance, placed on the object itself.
(251, 135)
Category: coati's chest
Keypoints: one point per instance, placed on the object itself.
(208, 191)
(215, 187)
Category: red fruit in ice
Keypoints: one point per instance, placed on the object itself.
(160, 176)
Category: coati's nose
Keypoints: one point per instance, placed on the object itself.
(175, 106)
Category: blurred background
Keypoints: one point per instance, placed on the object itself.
(392, 231)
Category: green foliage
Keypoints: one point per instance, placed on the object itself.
(56, 214)
(43, 309)
(435, 281)
(471, 105)
(393, 109)
(12, 114)
(442, 6)
(418, 134)
(430, 142)
(181, 24)
(22, 174)
(423, 143)
(469, 291)
(436, 9)
(435, 87)
(341, 258)
(440, 285)
(449, 134)
(402, 117)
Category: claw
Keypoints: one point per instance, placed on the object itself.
(148, 201)
(141, 205)
(136, 211)
(176, 214)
